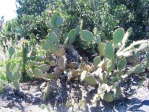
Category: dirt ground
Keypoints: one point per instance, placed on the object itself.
(29, 99)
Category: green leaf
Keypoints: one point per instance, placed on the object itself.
(122, 64)
(109, 52)
(87, 35)
(71, 36)
(118, 35)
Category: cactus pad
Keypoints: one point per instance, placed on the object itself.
(138, 68)
(71, 36)
(37, 72)
(108, 97)
(44, 67)
(11, 51)
(87, 35)
(96, 60)
(109, 52)
(90, 80)
(118, 35)
(30, 73)
(122, 64)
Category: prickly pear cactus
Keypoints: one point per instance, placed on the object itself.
(87, 35)
(118, 35)
(109, 51)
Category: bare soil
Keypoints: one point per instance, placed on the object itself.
(29, 99)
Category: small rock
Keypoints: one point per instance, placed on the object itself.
(42, 85)
(11, 105)
(37, 94)
(9, 97)
(36, 99)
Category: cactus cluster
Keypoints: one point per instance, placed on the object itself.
(113, 67)
(48, 59)
(13, 68)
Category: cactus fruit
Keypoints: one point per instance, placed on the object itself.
(87, 35)
(109, 52)
(118, 35)
(122, 64)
